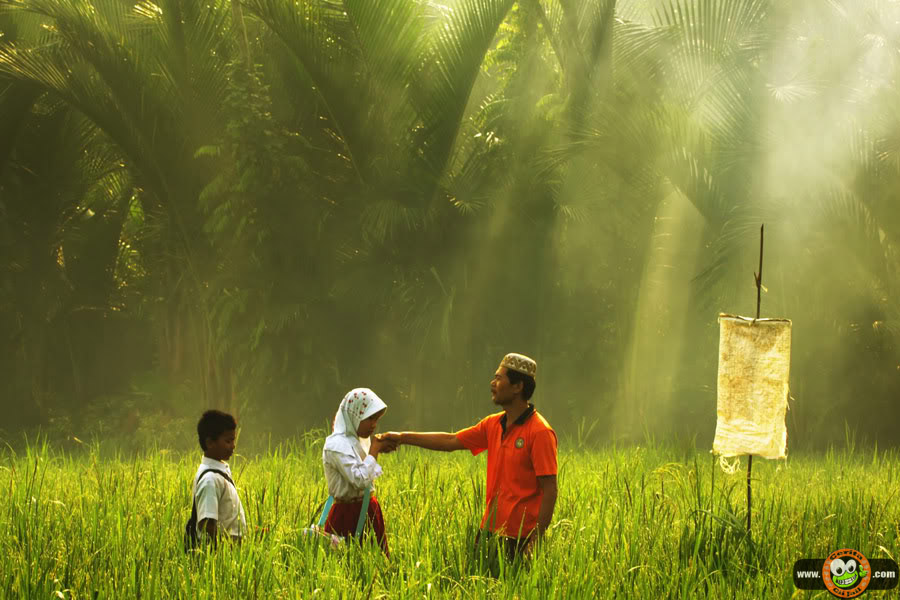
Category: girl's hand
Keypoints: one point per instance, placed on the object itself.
(381, 444)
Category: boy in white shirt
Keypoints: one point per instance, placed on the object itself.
(219, 509)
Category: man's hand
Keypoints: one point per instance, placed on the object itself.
(382, 444)
(394, 438)
(388, 444)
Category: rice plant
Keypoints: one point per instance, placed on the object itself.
(635, 522)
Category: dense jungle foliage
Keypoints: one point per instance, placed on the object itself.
(259, 204)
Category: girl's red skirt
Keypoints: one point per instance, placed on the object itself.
(343, 517)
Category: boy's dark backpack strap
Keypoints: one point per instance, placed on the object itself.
(222, 473)
(191, 540)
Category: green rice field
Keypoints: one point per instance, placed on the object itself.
(631, 522)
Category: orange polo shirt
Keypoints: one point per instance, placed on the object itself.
(516, 458)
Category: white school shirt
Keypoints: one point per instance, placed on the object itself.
(217, 499)
(348, 476)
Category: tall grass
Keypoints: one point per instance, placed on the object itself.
(634, 522)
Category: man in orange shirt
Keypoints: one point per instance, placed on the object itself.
(521, 463)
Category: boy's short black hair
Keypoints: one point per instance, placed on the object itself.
(212, 424)
(527, 380)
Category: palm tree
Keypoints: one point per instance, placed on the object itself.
(752, 148)
(149, 76)
(65, 197)
(386, 88)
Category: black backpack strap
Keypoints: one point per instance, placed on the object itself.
(222, 473)
(194, 491)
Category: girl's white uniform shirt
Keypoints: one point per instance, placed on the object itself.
(347, 475)
(217, 499)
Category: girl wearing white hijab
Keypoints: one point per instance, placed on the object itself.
(350, 460)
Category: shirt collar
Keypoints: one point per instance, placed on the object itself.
(522, 418)
(215, 464)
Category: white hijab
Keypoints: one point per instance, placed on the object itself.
(359, 404)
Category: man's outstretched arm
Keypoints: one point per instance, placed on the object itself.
(443, 442)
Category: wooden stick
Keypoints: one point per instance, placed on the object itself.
(749, 499)
(758, 277)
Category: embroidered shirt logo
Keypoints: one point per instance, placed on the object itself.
(520, 442)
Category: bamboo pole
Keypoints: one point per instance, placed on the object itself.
(758, 277)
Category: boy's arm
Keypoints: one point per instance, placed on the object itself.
(210, 526)
(207, 499)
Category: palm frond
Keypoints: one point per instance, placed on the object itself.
(448, 73)
(390, 35)
(319, 37)
(716, 41)
(126, 67)
(638, 47)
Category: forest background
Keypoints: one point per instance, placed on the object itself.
(257, 205)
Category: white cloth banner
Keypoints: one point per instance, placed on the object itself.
(754, 365)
